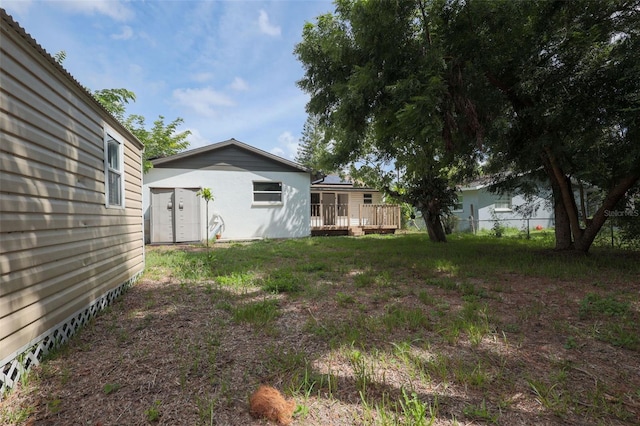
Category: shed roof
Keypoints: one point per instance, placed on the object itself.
(203, 151)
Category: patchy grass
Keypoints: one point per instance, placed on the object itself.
(376, 330)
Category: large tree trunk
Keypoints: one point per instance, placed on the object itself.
(566, 193)
(434, 226)
(562, 225)
(564, 241)
(569, 234)
(615, 194)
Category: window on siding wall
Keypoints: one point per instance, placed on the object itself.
(503, 202)
(267, 192)
(368, 199)
(113, 169)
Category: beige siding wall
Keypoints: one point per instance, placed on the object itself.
(357, 198)
(60, 247)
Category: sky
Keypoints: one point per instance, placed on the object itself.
(226, 67)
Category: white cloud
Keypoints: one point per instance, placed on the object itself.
(126, 34)
(287, 146)
(111, 8)
(202, 101)
(265, 26)
(278, 151)
(196, 140)
(239, 84)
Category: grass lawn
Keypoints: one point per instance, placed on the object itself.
(375, 330)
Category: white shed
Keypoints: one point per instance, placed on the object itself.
(256, 195)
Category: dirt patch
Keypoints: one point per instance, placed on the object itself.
(170, 352)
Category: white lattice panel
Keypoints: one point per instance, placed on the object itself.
(13, 370)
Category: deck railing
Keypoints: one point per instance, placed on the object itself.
(382, 215)
(368, 216)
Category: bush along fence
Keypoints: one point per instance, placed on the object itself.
(16, 366)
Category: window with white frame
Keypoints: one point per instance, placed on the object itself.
(503, 202)
(267, 192)
(459, 205)
(368, 199)
(113, 169)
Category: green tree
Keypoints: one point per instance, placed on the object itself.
(312, 146)
(567, 75)
(115, 100)
(386, 93)
(435, 86)
(161, 140)
(207, 196)
(60, 56)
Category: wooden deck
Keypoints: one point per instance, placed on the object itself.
(337, 219)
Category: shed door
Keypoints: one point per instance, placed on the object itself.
(187, 215)
(175, 215)
(162, 202)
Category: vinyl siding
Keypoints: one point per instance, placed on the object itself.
(60, 247)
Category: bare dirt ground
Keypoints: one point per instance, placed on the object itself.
(171, 354)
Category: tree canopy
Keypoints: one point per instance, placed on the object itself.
(312, 148)
(435, 86)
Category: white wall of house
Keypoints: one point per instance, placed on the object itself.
(233, 210)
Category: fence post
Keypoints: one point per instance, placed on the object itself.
(528, 235)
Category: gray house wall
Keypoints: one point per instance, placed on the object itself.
(480, 204)
(64, 254)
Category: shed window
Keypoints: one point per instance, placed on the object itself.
(113, 170)
(368, 199)
(267, 192)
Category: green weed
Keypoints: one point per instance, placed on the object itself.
(480, 412)
(110, 388)
(256, 313)
(153, 413)
(284, 281)
(595, 304)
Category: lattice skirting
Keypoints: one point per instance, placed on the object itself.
(26, 358)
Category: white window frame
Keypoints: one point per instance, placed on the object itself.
(266, 203)
(367, 198)
(112, 136)
(504, 203)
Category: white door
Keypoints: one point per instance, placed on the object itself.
(175, 215)
(187, 215)
(162, 202)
